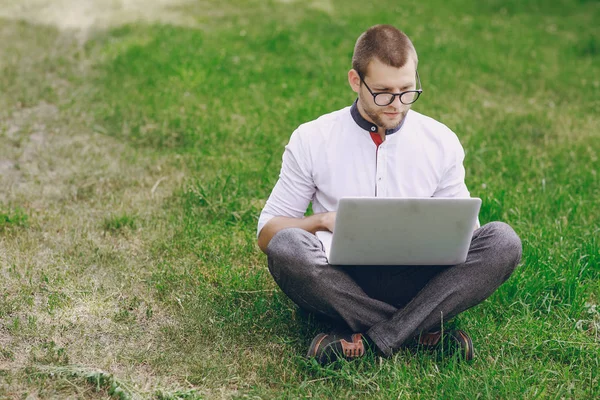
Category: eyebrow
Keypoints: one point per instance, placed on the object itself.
(382, 88)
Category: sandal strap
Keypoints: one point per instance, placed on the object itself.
(356, 348)
(430, 338)
(465, 343)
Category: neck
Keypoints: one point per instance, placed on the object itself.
(361, 118)
(380, 130)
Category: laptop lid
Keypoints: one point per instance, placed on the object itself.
(402, 231)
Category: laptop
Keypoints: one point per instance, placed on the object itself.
(401, 231)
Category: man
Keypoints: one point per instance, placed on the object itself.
(376, 147)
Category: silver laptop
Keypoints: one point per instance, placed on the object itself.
(401, 231)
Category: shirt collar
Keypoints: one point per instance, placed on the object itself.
(369, 126)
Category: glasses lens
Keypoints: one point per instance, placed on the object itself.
(383, 99)
(409, 97)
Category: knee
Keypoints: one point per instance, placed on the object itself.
(505, 245)
(291, 243)
(505, 239)
(292, 251)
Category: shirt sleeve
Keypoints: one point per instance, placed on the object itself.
(452, 183)
(295, 188)
(453, 180)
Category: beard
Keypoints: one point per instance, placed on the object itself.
(380, 119)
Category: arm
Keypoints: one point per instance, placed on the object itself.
(452, 183)
(312, 224)
(453, 180)
(290, 197)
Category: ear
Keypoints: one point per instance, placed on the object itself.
(354, 80)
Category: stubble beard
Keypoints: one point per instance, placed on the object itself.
(376, 117)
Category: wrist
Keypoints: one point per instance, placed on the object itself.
(322, 225)
(315, 223)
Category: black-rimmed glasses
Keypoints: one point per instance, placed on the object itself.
(383, 99)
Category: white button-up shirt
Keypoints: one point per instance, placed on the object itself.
(333, 157)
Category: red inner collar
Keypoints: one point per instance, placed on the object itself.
(376, 138)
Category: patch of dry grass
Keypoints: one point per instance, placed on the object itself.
(67, 281)
(81, 17)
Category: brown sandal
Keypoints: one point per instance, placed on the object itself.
(327, 348)
(432, 340)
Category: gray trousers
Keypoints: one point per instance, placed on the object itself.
(391, 304)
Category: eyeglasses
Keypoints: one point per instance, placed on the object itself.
(385, 98)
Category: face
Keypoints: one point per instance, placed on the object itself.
(384, 78)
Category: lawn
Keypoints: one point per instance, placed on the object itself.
(138, 144)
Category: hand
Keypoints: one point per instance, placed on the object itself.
(328, 220)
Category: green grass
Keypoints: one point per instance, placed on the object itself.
(141, 157)
(119, 223)
(12, 218)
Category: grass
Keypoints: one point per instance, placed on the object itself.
(12, 218)
(136, 158)
(118, 223)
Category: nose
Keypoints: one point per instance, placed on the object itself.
(397, 103)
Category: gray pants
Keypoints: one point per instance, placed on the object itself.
(391, 304)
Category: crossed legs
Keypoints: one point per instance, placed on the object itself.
(391, 304)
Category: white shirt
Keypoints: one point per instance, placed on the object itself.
(333, 157)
